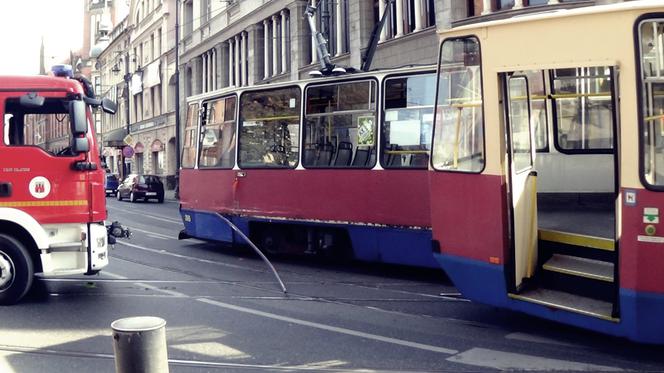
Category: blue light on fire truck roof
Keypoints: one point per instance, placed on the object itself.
(63, 71)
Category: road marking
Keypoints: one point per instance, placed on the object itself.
(539, 339)
(317, 367)
(168, 220)
(511, 361)
(330, 328)
(292, 320)
(158, 237)
(149, 233)
(148, 286)
(167, 253)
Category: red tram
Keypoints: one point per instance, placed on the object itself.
(333, 166)
(548, 164)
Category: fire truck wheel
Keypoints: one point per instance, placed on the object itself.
(16, 270)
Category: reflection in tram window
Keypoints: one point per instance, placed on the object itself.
(408, 121)
(538, 115)
(651, 33)
(218, 134)
(269, 126)
(583, 103)
(519, 123)
(459, 132)
(340, 125)
(189, 145)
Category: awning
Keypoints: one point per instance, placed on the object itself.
(151, 75)
(115, 138)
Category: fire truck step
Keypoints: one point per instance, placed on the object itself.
(65, 246)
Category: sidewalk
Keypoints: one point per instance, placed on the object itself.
(169, 195)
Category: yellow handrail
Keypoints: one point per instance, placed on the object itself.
(406, 152)
(271, 118)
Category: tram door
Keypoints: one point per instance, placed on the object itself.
(522, 190)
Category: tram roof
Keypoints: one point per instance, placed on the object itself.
(561, 13)
(323, 80)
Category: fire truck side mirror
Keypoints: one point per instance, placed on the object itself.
(78, 118)
(80, 145)
(108, 106)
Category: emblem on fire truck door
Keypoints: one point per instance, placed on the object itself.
(40, 187)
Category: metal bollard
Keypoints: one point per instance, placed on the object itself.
(139, 344)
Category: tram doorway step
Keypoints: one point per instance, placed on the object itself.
(568, 302)
(577, 264)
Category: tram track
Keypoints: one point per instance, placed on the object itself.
(253, 286)
(379, 286)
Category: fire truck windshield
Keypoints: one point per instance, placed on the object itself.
(31, 125)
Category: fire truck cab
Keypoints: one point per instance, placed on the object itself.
(52, 200)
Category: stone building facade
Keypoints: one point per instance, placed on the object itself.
(137, 71)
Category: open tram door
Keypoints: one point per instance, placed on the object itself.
(562, 205)
(522, 185)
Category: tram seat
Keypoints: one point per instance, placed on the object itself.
(324, 155)
(309, 156)
(419, 160)
(344, 154)
(361, 156)
(372, 157)
(394, 160)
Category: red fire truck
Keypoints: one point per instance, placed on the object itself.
(52, 201)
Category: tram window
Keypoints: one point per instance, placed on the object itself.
(340, 125)
(408, 121)
(458, 143)
(651, 36)
(189, 145)
(269, 128)
(218, 134)
(583, 106)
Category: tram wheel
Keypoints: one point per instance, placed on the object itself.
(16, 270)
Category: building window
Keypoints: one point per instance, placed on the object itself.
(206, 9)
(276, 44)
(406, 16)
(188, 17)
(238, 60)
(159, 50)
(139, 163)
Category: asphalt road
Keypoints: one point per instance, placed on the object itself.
(226, 312)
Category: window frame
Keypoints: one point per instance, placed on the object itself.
(376, 111)
(435, 111)
(195, 135)
(238, 129)
(56, 130)
(236, 112)
(554, 116)
(640, 99)
(382, 116)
